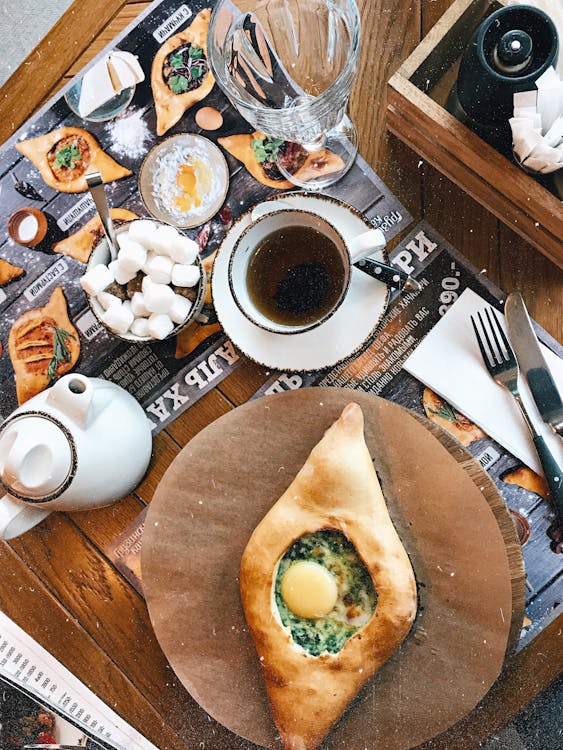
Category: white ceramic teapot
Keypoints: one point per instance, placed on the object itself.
(81, 444)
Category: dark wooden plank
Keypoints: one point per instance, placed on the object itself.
(209, 408)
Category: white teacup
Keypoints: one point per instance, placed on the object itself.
(278, 219)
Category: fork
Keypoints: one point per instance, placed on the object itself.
(501, 363)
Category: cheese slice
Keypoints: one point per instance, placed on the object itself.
(125, 67)
(110, 75)
(97, 88)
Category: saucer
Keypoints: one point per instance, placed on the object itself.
(343, 334)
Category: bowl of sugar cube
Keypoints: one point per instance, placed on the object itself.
(155, 286)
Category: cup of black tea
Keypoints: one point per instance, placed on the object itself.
(290, 269)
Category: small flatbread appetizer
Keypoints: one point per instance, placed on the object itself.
(80, 244)
(192, 336)
(43, 345)
(443, 414)
(8, 272)
(64, 156)
(327, 588)
(180, 74)
(524, 477)
(260, 154)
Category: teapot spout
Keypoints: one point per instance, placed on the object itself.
(72, 395)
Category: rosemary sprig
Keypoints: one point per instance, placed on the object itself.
(60, 350)
(446, 412)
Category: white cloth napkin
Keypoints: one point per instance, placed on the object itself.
(449, 362)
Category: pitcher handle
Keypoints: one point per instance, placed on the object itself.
(17, 518)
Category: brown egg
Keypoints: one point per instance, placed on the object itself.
(208, 118)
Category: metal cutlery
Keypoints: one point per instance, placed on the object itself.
(501, 363)
(532, 363)
(96, 186)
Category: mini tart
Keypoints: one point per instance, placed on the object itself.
(31, 345)
(444, 415)
(42, 152)
(318, 163)
(170, 106)
(338, 489)
(80, 244)
(8, 272)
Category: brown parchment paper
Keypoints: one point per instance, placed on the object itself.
(222, 484)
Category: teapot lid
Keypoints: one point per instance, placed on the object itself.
(37, 457)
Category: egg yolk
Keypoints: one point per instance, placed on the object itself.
(309, 589)
(194, 181)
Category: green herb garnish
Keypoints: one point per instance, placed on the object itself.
(178, 84)
(177, 60)
(68, 156)
(60, 350)
(266, 149)
(196, 53)
(445, 411)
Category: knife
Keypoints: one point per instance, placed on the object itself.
(532, 362)
(393, 277)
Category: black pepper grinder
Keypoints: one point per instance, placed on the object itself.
(508, 53)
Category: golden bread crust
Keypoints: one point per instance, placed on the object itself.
(169, 106)
(316, 164)
(337, 488)
(80, 244)
(37, 150)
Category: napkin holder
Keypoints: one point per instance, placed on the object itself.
(417, 114)
(508, 52)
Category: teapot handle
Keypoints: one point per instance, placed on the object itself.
(72, 395)
(17, 518)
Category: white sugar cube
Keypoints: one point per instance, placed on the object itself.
(118, 318)
(132, 256)
(159, 268)
(160, 326)
(120, 274)
(140, 327)
(183, 275)
(180, 308)
(163, 239)
(96, 279)
(158, 298)
(106, 300)
(184, 250)
(150, 256)
(146, 283)
(123, 238)
(140, 310)
(141, 231)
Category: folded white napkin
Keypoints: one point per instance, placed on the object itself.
(449, 362)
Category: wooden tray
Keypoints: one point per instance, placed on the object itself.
(415, 113)
(469, 573)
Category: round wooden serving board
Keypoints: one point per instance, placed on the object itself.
(223, 483)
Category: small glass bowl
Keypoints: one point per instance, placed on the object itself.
(107, 111)
(101, 254)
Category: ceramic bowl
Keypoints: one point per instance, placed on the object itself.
(177, 151)
(101, 254)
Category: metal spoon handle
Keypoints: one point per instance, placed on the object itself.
(98, 193)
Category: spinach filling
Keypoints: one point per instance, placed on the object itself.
(356, 593)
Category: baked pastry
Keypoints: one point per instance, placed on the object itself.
(443, 414)
(43, 345)
(64, 156)
(180, 73)
(8, 272)
(80, 244)
(260, 154)
(526, 478)
(335, 503)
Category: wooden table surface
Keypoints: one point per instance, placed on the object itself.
(56, 581)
